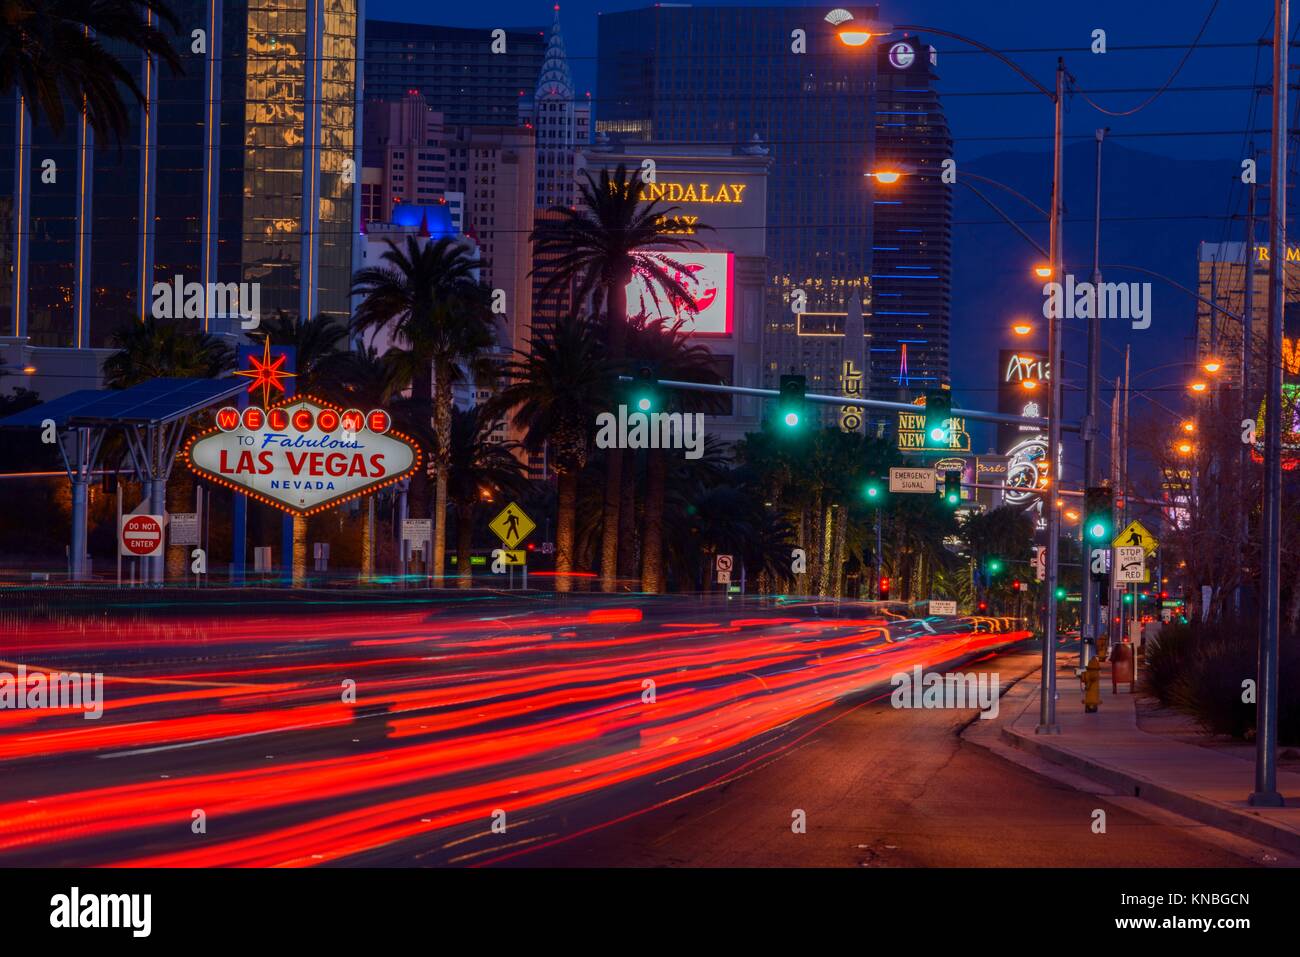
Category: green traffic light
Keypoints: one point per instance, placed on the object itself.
(873, 491)
(1060, 593)
(995, 565)
(644, 403)
(1097, 531)
(954, 499)
(938, 435)
(791, 419)
(1128, 598)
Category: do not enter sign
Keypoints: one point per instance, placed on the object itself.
(142, 535)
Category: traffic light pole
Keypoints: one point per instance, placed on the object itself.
(878, 569)
(1091, 613)
(879, 405)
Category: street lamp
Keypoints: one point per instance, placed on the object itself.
(1022, 328)
(1029, 384)
(1212, 366)
(1198, 386)
(886, 176)
(860, 34)
(1189, 427)
(1043, 271)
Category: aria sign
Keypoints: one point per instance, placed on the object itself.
(302, 455)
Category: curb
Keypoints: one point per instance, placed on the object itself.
(1206, 811)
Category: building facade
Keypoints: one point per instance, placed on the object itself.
(561, 121)
(912, 244)
(474, 76)
(676, 73)
(718, 199)
(242, 170)
(404, 149)
(1222, 271)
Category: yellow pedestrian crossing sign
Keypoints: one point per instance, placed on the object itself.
(512, 526)
(1136, 534)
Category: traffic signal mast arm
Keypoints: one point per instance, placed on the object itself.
(877, 404)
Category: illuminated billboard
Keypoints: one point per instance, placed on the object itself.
(709, 277)
(302, 455)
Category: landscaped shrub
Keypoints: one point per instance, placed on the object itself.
(1201, 670)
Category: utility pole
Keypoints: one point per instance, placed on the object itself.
(1266, 793)
(1047, 701)
(1091, 613)
(1247, 356)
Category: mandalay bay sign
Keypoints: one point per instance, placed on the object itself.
(302, 455)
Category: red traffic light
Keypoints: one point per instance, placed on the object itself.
(884, 586)
(983, 606)
(1015, 585)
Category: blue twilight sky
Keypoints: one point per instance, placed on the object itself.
(979, 120)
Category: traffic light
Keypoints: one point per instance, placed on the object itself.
(1060, 593)
(874, 490)
(994, 565)
(952, 488)
(645, 387)
(1099, 514)
(1128, 598)
(1015, 585)
(884, 588)
(982, 606)
(938, 419)
(790, 405)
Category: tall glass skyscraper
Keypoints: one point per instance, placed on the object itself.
(473, 76)
(913, 229)
(243, 169)
(780, 76)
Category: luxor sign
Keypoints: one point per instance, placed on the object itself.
(302, 455)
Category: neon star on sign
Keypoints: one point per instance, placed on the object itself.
(267, 373)
(302, 455)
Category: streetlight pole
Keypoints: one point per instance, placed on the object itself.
(1266, 793)
(1047, 695)
(861, 35)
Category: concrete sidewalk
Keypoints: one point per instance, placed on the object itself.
(1108, 747)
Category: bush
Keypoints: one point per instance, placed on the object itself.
(1199, 669)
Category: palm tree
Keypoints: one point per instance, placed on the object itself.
(556, 390)
(596, 250)
(316, 352)
(360, 378)
(52, 53)
(318, 346)
(674, 356)
(440, 319)
(478, 469)
(162, 348)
